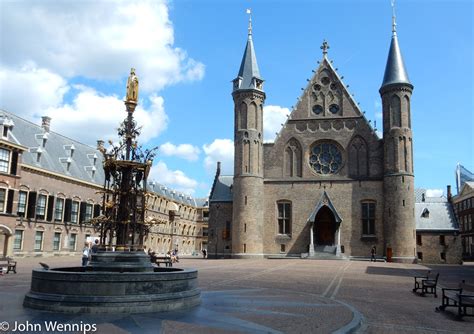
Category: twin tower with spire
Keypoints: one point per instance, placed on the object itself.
(309, 188)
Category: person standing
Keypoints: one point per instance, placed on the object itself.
(373, 251)
(86, 252)
(95, 246)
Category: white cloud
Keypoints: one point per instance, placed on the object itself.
(93, 115)
(97, 40)
(29, 91)
(174, 179)
(273, 118)
(434, 192)
(184, 151)
(219, 150)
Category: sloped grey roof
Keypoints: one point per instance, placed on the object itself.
(167, 192)
(441, 217)
(53, 152)
(222, 189)
(419, 197)
(249, 67)
(202, 202)
(395, 72)
(56, 153)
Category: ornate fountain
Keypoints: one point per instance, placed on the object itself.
(120, 276)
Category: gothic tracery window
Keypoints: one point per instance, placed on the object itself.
(293, 158)
(358, 158)
(325, 158)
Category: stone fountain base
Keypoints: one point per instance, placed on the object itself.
(115, 282)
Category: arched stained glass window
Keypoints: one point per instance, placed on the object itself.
(325, 158)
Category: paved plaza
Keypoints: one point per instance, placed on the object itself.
(271, 296)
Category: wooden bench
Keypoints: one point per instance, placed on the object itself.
(462, 298)
(426, 284)
(8, 263)
(162, 259)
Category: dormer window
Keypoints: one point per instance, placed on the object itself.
(70, 148)
(426, 213)
(5, 131)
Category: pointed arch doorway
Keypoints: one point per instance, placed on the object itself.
(324, 223)
(324, 228)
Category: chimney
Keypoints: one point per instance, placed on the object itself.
(423, 197)
(218, 172)
(100, 145)
(448, 193)
(45, 123)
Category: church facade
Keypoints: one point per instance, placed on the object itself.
(328, 183)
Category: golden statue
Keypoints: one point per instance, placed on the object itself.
(132, 87)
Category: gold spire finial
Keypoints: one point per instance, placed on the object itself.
(325, 48)
(394, 22)
(249, 11)
(132, 87)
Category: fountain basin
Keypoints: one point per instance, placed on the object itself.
(81, 290)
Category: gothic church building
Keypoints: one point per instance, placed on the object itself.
(327, 184)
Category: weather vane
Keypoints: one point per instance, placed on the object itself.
(249, 11)
(394, 23)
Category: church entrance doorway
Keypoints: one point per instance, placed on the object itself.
(324, 227)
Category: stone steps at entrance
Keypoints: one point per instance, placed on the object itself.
(325, 249)
(325, 256)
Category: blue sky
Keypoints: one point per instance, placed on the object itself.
(71, 60)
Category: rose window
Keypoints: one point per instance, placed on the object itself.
(325, 158)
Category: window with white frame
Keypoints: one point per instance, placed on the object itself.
(41, 206)
(22, 198)
(38, 240)
(57, 241)
(18, 243)
(3, 199)
(58, 209)
(74, 212)
(88, 213)
(72, 241)
(4, 160)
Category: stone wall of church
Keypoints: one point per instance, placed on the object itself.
(220, 230)
(346, 196)
(343, 132)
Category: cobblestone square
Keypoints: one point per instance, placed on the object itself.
(272, 296)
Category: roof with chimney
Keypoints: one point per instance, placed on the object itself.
(222, 189)
(434, 213)
(52, 152)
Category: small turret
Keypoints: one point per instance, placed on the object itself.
(247, 224)
(399, 197)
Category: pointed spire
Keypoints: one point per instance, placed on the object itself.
(395, 72)
(249, 74)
